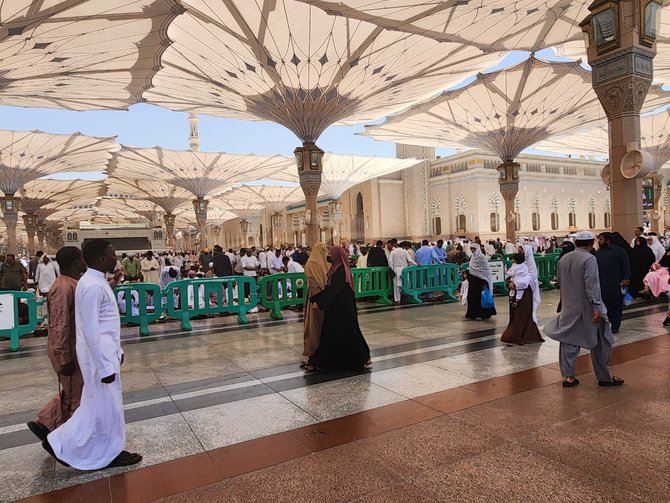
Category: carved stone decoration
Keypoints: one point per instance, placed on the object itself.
(623, 97)
(310, 183)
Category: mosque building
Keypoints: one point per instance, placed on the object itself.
(453, 196)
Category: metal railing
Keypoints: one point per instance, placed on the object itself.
(10, 327)
(418, 280)
(278, 291)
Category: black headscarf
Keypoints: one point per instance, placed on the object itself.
(566, 247)
(618, 240)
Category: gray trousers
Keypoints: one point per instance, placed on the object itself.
(600, 356)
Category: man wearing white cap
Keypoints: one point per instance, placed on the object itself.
(582, 322)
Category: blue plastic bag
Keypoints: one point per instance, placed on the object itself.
(487, 299)
(627, 298)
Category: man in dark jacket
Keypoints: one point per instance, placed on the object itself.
(377, 256)
(222, 265)
(614, 271)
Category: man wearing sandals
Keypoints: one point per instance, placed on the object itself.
(582, 322)
(95, 435)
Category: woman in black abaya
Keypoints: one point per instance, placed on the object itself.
(479, 277)
(342, 345)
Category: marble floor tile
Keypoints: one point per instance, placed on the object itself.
(188, 372)
(341, 398)
(234, 422)
(514, 475)
(416, 380)
(24, 471)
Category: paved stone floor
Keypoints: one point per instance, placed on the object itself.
(447, 413)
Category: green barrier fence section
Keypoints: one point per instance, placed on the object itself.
(140, 304)
(188, 298)
(373, 282)
(278, 291)
(417, 280)
(9, 316)
(546, 271)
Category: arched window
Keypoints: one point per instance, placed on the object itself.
(437, 226)
(536, 221)
(495, 222)
(608, 220)
(554, 221)
(460, 224)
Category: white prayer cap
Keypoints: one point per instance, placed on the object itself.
(584, 236)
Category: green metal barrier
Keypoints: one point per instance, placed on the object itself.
(9, 316)
(210, 296)
(271, 286)
(417, 280)
(546, 271)
(373, 282)
(146, 313)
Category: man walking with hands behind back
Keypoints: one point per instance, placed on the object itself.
(61, 344)
(95, 435)
(582, 322)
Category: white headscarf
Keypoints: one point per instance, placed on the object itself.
(534, 283)
(656, 247)
(479, 266)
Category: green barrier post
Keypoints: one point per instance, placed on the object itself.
(373, 282)
(546, 271)
(9, 316)
(417, 280)
(146, 313)
(211, 296)
(284, 290)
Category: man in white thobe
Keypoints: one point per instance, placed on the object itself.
(95, 435)
(398, 260)
(46, 273)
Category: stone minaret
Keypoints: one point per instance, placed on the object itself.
(194, 136)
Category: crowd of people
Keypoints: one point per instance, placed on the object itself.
(83, 426)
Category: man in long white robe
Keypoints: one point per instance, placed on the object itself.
(95, 435)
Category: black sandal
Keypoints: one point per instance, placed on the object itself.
(616, 381)
(47, 447)
(38, 429)
(571, 384)
(125, 459)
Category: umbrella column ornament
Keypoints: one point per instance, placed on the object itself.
(10, 212)
(200, 207)
(41, 234)
(508, 179)
(655, 214)
(277, 224)
(621, 49)
(169, 220)
(335, 219)
(244, 230)
(309, 159)
(217, 233)
(30, 222)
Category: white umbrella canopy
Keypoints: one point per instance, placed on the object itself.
(45, 192)
(28, 155)
(491, 25)
(242, 208)
(505, 111)
(200, 173)
(273, 197)
(654, 138)
(132, 207)
(81, 55)
(290, 63)
(164, 194)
